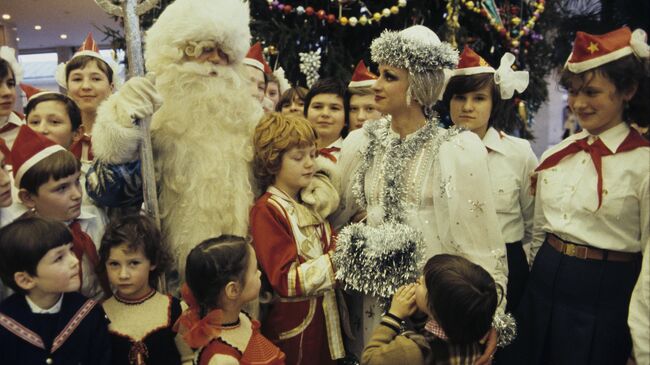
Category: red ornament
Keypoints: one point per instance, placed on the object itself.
(309, 11)
(331, 18)
(287, 9)
(321, 14)
(503, 31)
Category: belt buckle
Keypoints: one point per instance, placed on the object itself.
(570, 249)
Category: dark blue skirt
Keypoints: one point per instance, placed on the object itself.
(517, 275)
(573, 312)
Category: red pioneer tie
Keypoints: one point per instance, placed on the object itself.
(596, 150)
(82, 245)
(327, 153)
(78, 147)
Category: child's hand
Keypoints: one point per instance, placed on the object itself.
(403, 304)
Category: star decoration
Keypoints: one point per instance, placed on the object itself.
(477, 206)
(593, 47)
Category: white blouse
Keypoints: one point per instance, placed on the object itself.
(448, 193)
(511, 162)
(567, 197)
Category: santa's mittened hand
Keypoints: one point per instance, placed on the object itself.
(138, 97)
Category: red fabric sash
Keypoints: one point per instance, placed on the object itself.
(327, 153)
(82, 245)
(596, 150)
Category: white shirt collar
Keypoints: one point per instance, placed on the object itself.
(338, 143)
(493, 140)
(613, 137)
(56, 308)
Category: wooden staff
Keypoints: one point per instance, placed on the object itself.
(130, 10)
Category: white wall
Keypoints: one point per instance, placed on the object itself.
(549, 124)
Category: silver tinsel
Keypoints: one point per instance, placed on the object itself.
(378, 260)
(395, 49)
(506, 328)
(400, 152)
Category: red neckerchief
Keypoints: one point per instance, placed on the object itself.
(77, 147)
(596, 150)
(7, 127)
(327, 153)
(83, 245)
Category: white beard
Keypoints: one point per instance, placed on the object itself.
(202, 141)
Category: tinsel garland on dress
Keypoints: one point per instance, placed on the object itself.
(378, 260)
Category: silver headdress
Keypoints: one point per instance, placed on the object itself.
(418, 50)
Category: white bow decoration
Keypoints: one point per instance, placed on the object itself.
(509, 80)
(9, 54)
(283, 83)
(639, 44)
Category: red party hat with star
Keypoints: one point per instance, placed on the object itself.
(591, 51)
(255, 58)
(471, 63)
(362, 77)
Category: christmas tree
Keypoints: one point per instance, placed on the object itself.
(338, 33)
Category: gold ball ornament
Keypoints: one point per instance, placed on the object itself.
(385, 13)
(394, 9)
(343, 20)
(353, 21)
(363, 20)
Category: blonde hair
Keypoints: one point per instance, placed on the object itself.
(274, 135)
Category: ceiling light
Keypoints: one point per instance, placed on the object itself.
(6, 16)
(63, 36)
(17, 39)
(38, 27)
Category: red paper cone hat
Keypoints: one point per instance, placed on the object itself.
(32, 92)
(255, 58)
(591, 51)
(29, 149)
(471, 63)
(362, 77)
(89, 44)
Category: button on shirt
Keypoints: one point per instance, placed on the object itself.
(567, 198)
(511, 161)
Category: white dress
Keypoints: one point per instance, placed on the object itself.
(446, 196)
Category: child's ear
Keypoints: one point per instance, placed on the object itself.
(232, 290)
(27, 198)
(24, 280)
(76, 135)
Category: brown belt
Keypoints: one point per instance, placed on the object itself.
(588, 253)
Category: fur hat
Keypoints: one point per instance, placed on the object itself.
(225, 22)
